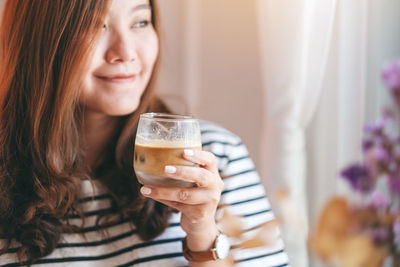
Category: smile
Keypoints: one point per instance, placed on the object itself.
(118, 78)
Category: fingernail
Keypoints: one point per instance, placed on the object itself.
(145, 190)
(188, 152)
(170, 169)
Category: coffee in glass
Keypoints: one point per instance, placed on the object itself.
(160, 141)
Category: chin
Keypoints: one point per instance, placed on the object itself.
(113, 106)
(121, 110)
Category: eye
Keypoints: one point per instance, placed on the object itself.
(141, 24)
(105, 26)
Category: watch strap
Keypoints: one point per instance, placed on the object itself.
(198, 256)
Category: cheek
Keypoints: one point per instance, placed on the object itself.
(95, 61)
(150, 50)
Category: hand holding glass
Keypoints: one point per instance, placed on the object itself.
(160, 141)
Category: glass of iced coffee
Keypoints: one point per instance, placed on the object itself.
(160, 141)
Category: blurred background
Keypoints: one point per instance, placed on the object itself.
(297, 80)
(210, 63)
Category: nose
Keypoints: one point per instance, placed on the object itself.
(122, 49)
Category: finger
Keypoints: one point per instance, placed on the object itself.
(194, 213)
(188, 196)
(200, 176)
(175, 205)
(205, 159)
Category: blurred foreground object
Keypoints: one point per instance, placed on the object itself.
(266, 235)
(366, 232)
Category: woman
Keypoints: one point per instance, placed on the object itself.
(75, 77)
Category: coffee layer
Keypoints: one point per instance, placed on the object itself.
(149, 163)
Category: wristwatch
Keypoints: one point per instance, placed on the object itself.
(220, 250)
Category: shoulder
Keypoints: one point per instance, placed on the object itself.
(235, 166)
(243, 195)
(227, 147)
(219, 140)
(214, 133)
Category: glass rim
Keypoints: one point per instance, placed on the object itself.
(166, 117)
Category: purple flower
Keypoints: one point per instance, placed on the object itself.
(379, 140)
(379, 154)
(396, 232)
(367, 144)
(392, 167)
(379, 235)
(396, 227)
(391, 75)
(359, 177)
(374, 129)
(377, 159)
(379, 201)
(394, 183)
(388, 114)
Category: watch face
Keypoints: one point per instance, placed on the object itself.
(222, 246)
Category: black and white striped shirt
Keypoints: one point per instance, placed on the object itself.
(117, 244)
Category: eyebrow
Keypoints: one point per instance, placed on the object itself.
(141, 6)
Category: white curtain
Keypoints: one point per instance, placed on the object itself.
(321, 62)
(366, 35)
(295, 41)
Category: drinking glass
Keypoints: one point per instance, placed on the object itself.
(160, 141)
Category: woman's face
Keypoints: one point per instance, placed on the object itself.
(123, 59)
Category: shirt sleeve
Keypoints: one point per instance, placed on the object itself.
(243, 196)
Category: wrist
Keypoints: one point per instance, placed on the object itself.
(219, 250)
(204, 240)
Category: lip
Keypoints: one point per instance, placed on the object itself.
(119, 78)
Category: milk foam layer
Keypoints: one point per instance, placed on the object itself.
(167, 143)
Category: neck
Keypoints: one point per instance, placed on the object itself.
(98, 131)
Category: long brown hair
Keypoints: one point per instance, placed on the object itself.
(43, 49)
